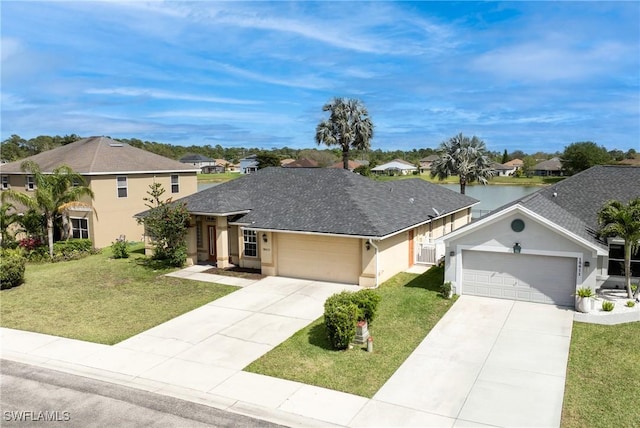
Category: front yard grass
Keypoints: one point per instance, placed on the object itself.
(100, 299)
(603, 376)
(409, 308)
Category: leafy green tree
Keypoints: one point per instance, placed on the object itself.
(623, 221)
(348, 127)
(583, 155)
(465, 157)
(266, 159)
(631, 154)
(167, 224)
(54, 194)
(505, 157)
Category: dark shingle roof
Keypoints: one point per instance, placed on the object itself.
(100, 155)
(327, 201)
(574, 202)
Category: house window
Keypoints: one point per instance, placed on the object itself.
(199, 233)
(122, 187)
(616, 261)
(5, 182)
(250, 243)
(30, 183)
(80, 228)
(175, 184)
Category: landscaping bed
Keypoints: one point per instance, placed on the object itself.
(409, 308)
(101, 299)
(603, 376)
(236, 271)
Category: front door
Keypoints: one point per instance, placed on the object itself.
(212, 244)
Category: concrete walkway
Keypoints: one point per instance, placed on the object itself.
(488, 361)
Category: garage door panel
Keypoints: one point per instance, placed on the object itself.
(319, 257)
(542, 279)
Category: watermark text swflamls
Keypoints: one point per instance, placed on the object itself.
(35, 416)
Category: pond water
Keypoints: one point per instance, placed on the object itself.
(490, 197)
(493, 196)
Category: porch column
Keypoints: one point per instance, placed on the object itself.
(192, 243)
(222, 242)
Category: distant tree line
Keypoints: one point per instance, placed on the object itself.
(16, 148)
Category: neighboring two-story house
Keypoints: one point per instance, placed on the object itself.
(118, 174)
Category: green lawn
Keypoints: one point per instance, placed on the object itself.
(99, 299)
(603, 376)
(409, 308)
(218, 178)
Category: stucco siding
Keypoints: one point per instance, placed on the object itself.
(394, 256)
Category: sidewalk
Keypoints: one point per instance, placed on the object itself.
(199, 356)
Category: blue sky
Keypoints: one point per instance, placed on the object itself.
(531, 76)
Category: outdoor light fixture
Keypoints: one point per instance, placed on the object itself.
(517, 248)
(264, 237)
(587, 264)
(452, 253)
(367, 245)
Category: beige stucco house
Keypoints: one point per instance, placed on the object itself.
(322, 224)
(119, 176)
(544, 246)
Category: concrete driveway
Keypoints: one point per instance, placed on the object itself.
(487, 362)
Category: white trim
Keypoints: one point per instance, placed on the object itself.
(208, 214)
(492, 218)
(506, 250)
(71, 218)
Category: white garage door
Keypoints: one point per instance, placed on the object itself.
(542, 279)
(323, 258)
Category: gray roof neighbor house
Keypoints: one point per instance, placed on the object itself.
(574, 202)
(544, 246)
(326, 200)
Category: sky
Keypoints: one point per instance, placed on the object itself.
(530, 76)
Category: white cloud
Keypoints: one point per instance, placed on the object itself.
(152, 93)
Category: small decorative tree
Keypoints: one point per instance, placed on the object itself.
(166, 223)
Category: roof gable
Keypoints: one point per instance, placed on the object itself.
(101, 155)
(395, 164)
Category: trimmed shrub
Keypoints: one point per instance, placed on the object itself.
(342, 311)
(120, 249)
(12, 263)
(338, 319)
(72, 249)
(445, 290)
(630, 303)
(367, 303)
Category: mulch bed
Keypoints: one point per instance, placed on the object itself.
(237, 272)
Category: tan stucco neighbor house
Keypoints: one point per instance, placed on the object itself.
(322, 223)
(544, 246)
(119, 176)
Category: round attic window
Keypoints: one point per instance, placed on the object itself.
(517, 225)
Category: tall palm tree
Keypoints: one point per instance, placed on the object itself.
(465, 158)
(54, 194)
(8, 217)
(348, 126)
(623, 221)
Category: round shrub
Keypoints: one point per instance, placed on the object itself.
(367, 302)
(12, 268)
(120, 249)
(338, 319)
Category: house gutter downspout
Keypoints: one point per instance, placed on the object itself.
(377, 252)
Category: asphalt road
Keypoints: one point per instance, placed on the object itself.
(31, 396)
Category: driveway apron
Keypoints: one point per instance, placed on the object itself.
(488, 361)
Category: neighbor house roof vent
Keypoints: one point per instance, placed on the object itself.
(115, 144)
